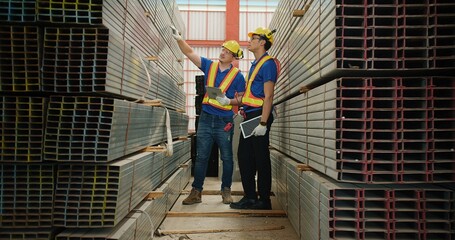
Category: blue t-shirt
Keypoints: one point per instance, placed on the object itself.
(238, 85)
(268, 72)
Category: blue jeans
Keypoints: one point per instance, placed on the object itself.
(211, 129)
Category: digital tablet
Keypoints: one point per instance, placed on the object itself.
(213, 92)
(248, 126)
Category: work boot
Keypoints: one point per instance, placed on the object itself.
(226, 195)
(244, 203)
(194, 197)
(262, 204)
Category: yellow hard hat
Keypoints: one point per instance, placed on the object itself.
(234, 47)
(264, 33)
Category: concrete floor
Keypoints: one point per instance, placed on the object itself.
(182, 221)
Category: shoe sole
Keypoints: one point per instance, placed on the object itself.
(191, 203)
(241, 207)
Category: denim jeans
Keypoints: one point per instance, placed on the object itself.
(211, 129)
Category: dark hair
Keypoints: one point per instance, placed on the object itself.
(268, 44)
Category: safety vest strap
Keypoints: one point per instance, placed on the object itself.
(248, 98)
(212, 74)
(224, 86)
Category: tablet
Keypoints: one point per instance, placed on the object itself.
(248, 126)
(213, 92)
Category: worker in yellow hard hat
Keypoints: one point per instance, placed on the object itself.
(216, 119)
(253, 152)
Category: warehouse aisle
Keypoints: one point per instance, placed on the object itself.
(212, 219)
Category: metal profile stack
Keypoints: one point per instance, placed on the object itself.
(334, 210)
(279, 184)
(95, 129)
(292, 192)
(346, 38)
(22, 233)
(22, 125)
(102, 195)
(94, 195)
(114, 48)
(182, 152)
(81, 64)
(20, 61)
(143, 220)
(377, 108)
(179, 123)
(286, 27)
(373, 130)
(26, 195)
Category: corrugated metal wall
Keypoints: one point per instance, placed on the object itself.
(206, 21)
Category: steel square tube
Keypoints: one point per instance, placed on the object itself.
(18, 11)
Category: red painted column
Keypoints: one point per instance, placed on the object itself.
(233, 22)
(233, 26)
(232, 19)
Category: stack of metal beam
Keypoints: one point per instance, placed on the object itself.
(102, 195)
(179, 123)
(96, 129)
(81, 64)
(346, 38)
(374, 130)
(333, 210)
(182, 152)
(379, 110)
(22, 125)
(22, 233)
(96, 51)
(287, 25)
(110, 48)
(141, 222)
(279, 185)
(26, 195)
(20, 61)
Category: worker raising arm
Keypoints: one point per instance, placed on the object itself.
(216, 118)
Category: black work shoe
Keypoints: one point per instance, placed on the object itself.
(262, 204)
(244, 203)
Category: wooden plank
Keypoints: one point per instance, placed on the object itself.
(304, 167)
(153, 103)
(298, 13)
(184, 165)
(238, 213)
(304, 89)
(215, 192)
(197, 231)
(151, 58)
(155, 149)
(154, 195)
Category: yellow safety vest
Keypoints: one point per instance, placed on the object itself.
(248, 98)
(224, 85)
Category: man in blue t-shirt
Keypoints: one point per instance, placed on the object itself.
(253, 152)
(216, 118)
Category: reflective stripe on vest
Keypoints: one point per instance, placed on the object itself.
(224, 85)
(248, 98)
